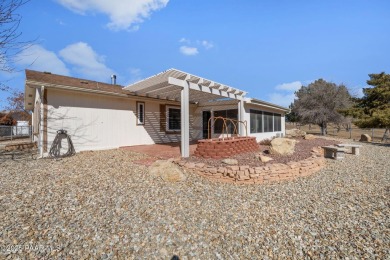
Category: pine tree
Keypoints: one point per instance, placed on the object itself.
(373, 109)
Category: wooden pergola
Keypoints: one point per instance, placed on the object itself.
(176, 85)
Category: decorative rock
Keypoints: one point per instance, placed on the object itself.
(234, 168)
(365, 138)
(245, 174)
(190, 165)
(309, 137)
(264, 158)
(317, 150)
(213, 170)
(167, 170)
(295, 133)
(282, 146)
(221, 170)
(200, 165)
(229, 161)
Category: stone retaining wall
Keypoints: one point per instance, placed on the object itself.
(264, 174)
(20, 146)
(224, 148)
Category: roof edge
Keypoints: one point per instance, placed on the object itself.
(261, 102)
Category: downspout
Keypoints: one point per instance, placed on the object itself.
(41, 125)
(32, 123)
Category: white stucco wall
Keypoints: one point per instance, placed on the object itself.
(103, 122)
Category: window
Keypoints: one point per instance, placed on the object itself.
(277, 122)
(256, 122)
(140, 113)
(173, 119)
(218, 124)
(268, 122)
(261, 121)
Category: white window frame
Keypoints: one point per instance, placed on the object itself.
(167, 118)
(140, 104)
(280, 118)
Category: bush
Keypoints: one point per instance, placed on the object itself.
(6, 119)
(266, 141)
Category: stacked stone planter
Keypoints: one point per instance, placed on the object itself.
(265, 174)
(224, 148)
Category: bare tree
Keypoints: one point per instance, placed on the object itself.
(10, 45)
(15, 101)
(16, 106)
(319, 103)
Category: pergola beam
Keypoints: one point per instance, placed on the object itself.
(210, 90)
(160, 90)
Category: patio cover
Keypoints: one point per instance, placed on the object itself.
(187, 88)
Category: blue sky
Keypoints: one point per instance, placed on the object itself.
(268, 48)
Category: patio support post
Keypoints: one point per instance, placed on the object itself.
(185, 120)
(241, 113)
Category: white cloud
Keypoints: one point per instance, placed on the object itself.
(123, 14)
(184, 40)
(284, 93)
(208, 45)
(189, 51)
(86, 61)
(38, 58)
(281, 99)
(186, 49)
(292, 86)
(135, 76)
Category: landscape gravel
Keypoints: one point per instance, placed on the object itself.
(102, 205)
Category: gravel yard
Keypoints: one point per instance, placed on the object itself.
(103, 205)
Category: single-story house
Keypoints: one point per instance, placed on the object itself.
(172, 106)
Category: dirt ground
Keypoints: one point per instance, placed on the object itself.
(355, 133)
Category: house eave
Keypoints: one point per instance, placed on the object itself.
(262, 103)
(32, 85)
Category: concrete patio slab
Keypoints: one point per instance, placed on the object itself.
(159, 151)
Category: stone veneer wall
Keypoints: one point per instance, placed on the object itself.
(265, 174)
(224, 148)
